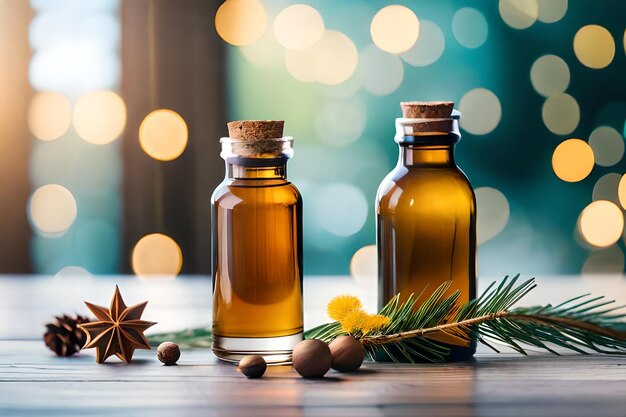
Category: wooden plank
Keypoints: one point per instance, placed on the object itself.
(34, 381)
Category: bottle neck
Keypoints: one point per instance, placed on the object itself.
(245, 168)
(431, 155)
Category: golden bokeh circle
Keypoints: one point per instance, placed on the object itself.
(49, 115)
(99, 116)
(364, 265)
(573, 160)
(395, 28)
(241, 22)
(601, 223)
(298, 27)
(163, 134)
(52, 209)
(594, 46)
(157, 254)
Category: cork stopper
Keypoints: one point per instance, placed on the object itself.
(256, 130)
(427, 109)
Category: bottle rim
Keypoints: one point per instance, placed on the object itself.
(436, 130)
(284, 139)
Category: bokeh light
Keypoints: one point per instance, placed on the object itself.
(594, 46)
(73, 272)
(337, 57)
(550, 75)
(301, 65)
(49, 115)
(241, 22)
(364, 266)
(561, 114)
(621, 191)
(339, 123)
(340, 209)
(607, 144)
(606, 188)
(298, 27)
(470, 27)
(163, 134)
(395, 28)
(265, 53)
(519, 14)
(481, 111)
(601, 223)
(429, 46)
(157, 254)
(492, 213)
(572, 160)
(52, 210)
(332, 60)
(99, 116)
(609, 263)
(551, 11)
(380, 71)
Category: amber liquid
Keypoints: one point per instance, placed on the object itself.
(426, 227)
(257, 255)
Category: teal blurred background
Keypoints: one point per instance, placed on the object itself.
(112, 109)
(528, 217)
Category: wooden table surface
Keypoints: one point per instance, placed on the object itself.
(33, 382)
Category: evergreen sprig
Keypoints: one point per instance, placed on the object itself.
(200, 337)
(582, 324)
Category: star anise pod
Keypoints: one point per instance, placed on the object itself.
(63, 335)
(118, 330)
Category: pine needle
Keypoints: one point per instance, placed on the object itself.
(580, 324)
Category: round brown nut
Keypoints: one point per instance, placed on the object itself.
(348, 354)
(168, 353)
(253, 366)
(311, 358)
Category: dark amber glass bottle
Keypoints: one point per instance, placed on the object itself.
(426, 220)
(257, 252)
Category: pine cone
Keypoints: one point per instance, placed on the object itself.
(64, 337)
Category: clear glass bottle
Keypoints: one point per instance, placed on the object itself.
(426, 220)
(257, 253)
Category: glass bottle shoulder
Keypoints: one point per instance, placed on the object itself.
(235, 192)
(409, 186)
